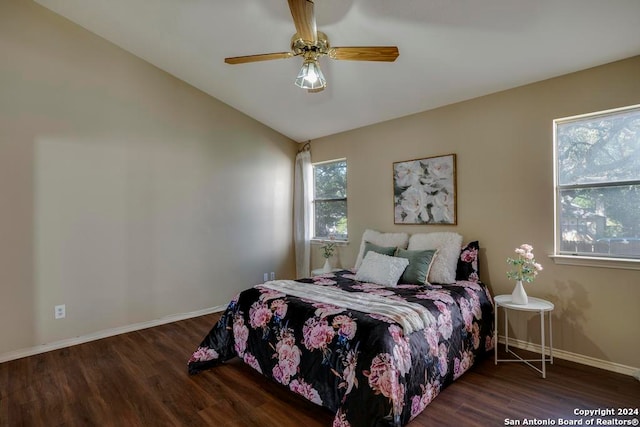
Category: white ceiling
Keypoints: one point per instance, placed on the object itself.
(450, 50)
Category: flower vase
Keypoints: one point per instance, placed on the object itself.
(327, 266)
(519, 295)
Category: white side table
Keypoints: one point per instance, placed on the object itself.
(537, 305)
(320, 271)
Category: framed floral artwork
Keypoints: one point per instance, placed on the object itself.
(424, 191)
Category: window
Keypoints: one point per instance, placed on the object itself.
(597, 176)
(330, 200)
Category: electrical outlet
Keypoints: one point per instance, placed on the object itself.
(265, 276)
(60, 311)
(272, 276)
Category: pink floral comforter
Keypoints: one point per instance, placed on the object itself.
(361, 366)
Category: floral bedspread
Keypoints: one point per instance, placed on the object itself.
(361, 366)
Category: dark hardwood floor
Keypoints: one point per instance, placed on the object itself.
(140, 379)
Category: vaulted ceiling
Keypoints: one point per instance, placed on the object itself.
(450, 50)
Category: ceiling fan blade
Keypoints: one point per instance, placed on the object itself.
(256, 58)
(372, 53)
(304, 19)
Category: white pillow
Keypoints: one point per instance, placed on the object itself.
(399, 240)
(381, 269)
(448, 244)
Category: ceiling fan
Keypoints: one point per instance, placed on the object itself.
(312, 44)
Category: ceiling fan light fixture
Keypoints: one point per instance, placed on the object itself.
(310, 44)
(310, 75)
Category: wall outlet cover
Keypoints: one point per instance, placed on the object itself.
(60, 311)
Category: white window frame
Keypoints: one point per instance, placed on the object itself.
(315, 238)
(561, 257)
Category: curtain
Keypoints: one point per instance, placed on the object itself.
(302, 192)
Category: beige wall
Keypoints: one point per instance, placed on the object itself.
(503, 144)
(128, 195)
(125, 193)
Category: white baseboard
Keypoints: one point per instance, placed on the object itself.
(18, 354)
(524, 345)
(574, 357)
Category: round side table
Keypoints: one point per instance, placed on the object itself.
(320, 271)
(538, 305)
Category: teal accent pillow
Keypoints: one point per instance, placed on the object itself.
(383, 250)
(419, 265)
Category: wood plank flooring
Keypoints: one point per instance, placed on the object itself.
(140, 379)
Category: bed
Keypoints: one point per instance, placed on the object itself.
(375, 355)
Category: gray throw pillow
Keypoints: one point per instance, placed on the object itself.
(419, 265)
(382, 250)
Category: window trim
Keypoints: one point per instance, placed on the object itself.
(314, 237)
(565, 258)
(602, 262)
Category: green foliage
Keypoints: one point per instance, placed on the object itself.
(330, 199)
(328, 249)
(599, 158)
(600, 149)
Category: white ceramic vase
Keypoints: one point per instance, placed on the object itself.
(519, 295)
(327, 266)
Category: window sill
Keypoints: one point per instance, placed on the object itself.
(322, 241)
(585, 261)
